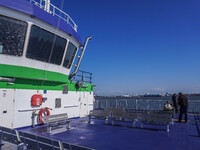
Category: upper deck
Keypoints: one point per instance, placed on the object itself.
(39, 40)
(55, 11)
(97, 135)
(52, 15)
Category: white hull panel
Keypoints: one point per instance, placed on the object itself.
(17, 103)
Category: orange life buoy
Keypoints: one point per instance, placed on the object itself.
(43, 112)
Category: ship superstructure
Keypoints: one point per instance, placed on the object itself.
(38, 46)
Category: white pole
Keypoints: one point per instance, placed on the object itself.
(47, 5)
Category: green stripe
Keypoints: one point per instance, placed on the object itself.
(31, 73)
(29, 78)
(40, 85)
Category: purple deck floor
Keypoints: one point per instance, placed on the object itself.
(99, 136)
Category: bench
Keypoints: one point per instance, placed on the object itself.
(99, 114)
(170, 113)
(155, 119)
(116, 115)
(123, 116)
(56, 120)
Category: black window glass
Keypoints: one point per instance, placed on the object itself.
(42, 42)
(12, 36)
(69, 56)
(58, 50)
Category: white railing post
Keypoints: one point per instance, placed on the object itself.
(46, 5)
(53, 11)
(41, 3)
(75, 27)
(136, 104)
(160, 106)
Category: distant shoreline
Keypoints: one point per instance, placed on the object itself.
(190, 97)
(146, 96)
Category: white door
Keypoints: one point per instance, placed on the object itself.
(6, 107)
(83, 104)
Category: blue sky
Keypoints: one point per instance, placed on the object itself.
(139, 46)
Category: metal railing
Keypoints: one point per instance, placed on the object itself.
(140, 104)
(83, 76)
(55, 11)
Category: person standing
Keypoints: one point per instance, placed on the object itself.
(183, 103)
(174, 100)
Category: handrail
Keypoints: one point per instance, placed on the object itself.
(84, 77)
(52, 9)
(143, 104)
(80, 57)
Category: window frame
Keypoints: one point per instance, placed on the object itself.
(65, 55)
(25, 36)
(66, 44)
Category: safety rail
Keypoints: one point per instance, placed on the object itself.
(197, 121)
(25, 140)
(55, 11)
(83, 76)
(140, 104)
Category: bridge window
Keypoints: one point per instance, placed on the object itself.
(12, 36)
(69, 56)
(45, 46)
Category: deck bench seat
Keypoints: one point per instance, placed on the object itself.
(99, 114)
(155, 119)
(56, 120)
(123, 116)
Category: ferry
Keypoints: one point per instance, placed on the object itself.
(38, 46)
(40, 55)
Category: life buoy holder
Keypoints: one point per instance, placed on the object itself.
(43, 112)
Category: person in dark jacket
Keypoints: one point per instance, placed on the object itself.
(183, 103)
(174, 100)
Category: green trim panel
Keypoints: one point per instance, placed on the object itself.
(46, 85)
(31, 73)
(29, 78)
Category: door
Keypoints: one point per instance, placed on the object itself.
(6, 107)
(83, 104)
